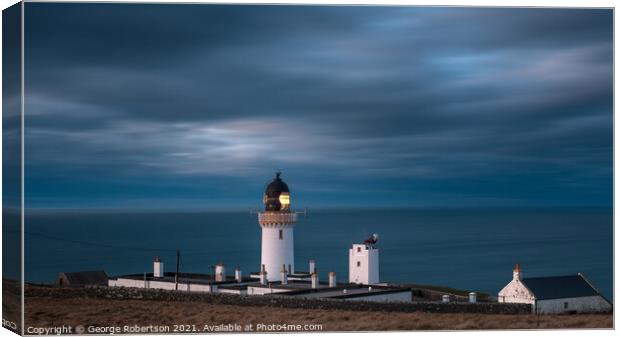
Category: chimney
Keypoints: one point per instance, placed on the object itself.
(158, 267)
(312, 267)
(315, 280)
(445, 298)
(220, 272)
(238, 274)
(332, 279)
(472, 297)
(283, 275)
(263, 276)
(516, 272)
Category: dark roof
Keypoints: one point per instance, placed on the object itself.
(93, 277)
(272, 194)
(302, 274)
(194, 278)
(355, 290)
(277, 186)
(234, 287)
(373, 293)
(546, 288)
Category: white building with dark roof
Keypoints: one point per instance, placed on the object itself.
(554, 294)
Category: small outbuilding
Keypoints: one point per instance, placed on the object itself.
(82, 279)
(554, 294)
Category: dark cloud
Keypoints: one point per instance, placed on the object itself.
(424, 106)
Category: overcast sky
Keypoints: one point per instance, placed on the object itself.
(151, 106)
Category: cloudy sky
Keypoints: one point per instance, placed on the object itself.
(196, 106)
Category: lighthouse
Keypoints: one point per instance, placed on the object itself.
(277, 222)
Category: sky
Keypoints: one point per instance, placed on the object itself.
(197, 106)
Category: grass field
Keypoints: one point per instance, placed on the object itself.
(43, 312)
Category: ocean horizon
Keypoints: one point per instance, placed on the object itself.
(464, 248)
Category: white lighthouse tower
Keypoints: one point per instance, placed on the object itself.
(277, 222)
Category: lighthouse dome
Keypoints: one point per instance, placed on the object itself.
(277, 196)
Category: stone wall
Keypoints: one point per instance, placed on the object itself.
(119, 293)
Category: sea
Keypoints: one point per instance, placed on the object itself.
(470, 249)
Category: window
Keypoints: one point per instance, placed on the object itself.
(359, 249)
(281, 234)
(285, 200)
(565, 305)
(359, 264)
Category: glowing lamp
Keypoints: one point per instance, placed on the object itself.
(285, 199)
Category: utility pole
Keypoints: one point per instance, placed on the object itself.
(212, 276)
(176, 276)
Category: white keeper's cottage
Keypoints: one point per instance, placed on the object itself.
(554, 294)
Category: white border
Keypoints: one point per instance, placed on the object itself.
(485, 3)
(23, 167)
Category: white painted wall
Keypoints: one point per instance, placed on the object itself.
(515, 292)
(232, 291)
(588, 304)
(276, 252)
(152, 284)
(127, 283)
(368, 270)
(158, 269)
(266, 290)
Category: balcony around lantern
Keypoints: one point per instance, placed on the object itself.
(277, 218)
